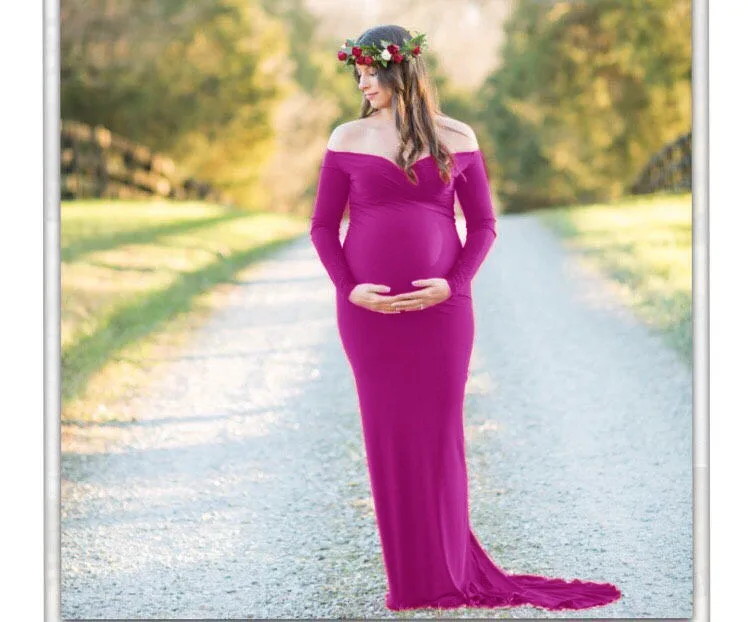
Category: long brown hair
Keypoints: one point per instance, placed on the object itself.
(415, 103)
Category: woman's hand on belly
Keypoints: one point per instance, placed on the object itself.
(371, 296)
(432, 292)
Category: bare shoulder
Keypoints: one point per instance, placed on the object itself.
(344, 137)
(355, 135)
(457, 135)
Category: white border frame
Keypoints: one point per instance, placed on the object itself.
(700, 306)
(52, 310)
(700, 282)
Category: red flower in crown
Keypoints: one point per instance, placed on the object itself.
(381, 52)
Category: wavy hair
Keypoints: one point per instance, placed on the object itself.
(415, 103)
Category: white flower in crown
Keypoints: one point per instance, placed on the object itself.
(385, 54)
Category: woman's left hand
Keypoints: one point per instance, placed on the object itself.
(432, 292)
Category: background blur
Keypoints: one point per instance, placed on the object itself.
(570, 98)
(202, 123)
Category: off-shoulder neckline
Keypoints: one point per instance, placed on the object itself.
(381, 157)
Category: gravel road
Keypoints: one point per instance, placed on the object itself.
(242, 491)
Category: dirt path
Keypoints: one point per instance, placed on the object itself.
(242, 489)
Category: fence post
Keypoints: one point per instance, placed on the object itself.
(668, 169)
(102, 142)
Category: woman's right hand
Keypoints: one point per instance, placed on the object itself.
(370, 296)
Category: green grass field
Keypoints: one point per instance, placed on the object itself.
(137, 277)
(644, 245)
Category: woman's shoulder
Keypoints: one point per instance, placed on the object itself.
(348, 135)
(456, 135)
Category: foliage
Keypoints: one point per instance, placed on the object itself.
(587, 91)
(197, 79)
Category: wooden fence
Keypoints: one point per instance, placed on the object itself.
(95, 163)
(669, 169)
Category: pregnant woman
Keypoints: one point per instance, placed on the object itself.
(405, 318)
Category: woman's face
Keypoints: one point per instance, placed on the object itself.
(378, 94)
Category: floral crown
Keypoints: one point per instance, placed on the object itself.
(352, 54)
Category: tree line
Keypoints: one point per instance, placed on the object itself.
(587, 92)
(240, 92)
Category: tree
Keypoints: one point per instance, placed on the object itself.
(587, 91)
(197, 79)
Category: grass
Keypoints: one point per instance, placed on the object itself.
(644, 245)
(136, 279)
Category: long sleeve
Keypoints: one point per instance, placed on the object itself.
(327, 214)
(474, 193)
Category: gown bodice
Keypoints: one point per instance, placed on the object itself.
(399, 231)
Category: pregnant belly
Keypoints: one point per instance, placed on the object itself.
(397, 251)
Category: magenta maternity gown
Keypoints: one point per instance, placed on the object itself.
(410, 372)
